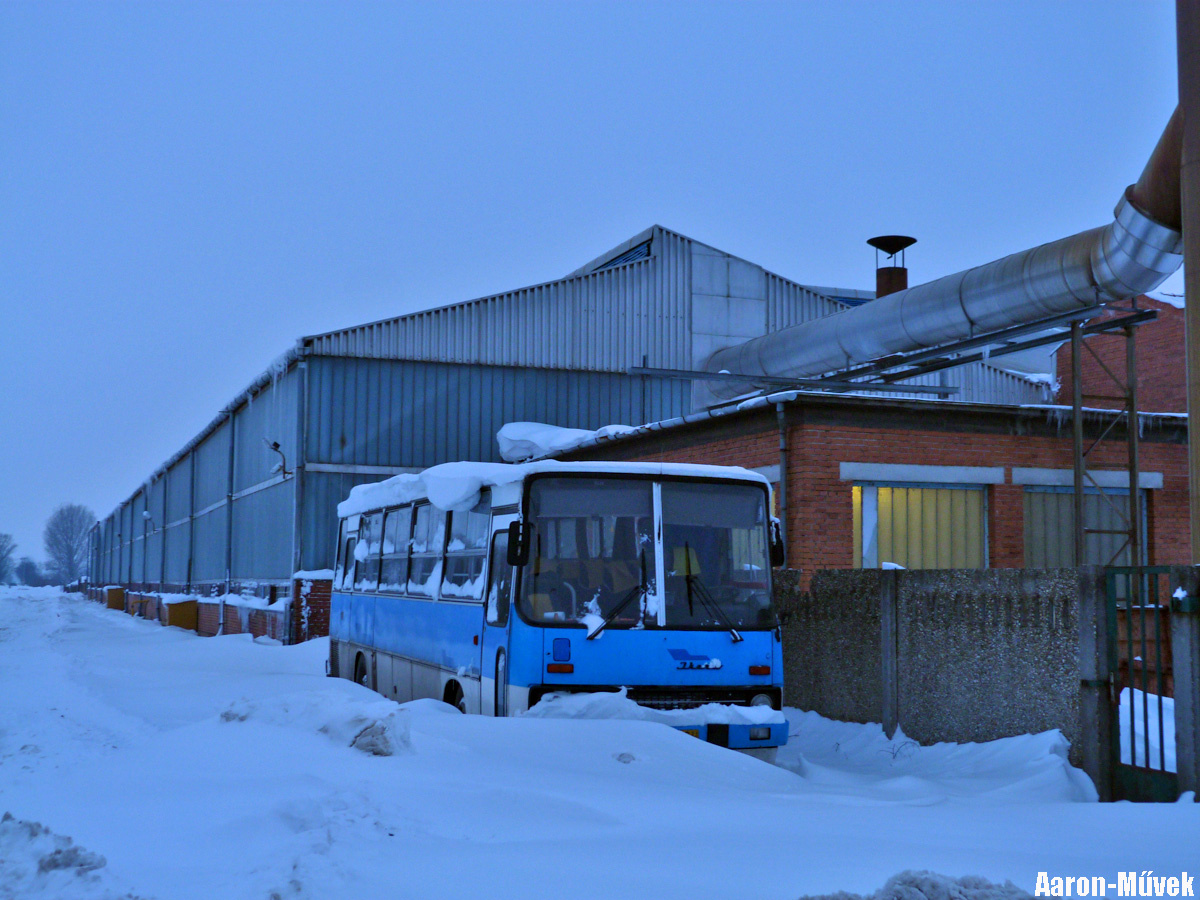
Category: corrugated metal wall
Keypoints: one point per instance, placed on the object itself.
(412, 415)
(434, 386)
(604, 321)
(179, 525)
(790, 304)
(195, 540)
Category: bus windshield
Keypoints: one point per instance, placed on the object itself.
(594, 555)
(715, 552)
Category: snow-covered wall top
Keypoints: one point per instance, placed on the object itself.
(456, 485)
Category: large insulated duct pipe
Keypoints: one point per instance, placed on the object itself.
(1129, 256)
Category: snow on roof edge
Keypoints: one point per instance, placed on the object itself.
(457, 485)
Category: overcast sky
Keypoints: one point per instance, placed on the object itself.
(186, 189)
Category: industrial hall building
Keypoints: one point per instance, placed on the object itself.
(967, 465)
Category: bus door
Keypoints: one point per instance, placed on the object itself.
(497, 619)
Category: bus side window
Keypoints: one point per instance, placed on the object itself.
(370, 534)
(344, 577)
(500, 580)
(397, 531)
(428, 544)
(466, 551)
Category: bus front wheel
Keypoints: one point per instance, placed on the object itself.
(454, 696)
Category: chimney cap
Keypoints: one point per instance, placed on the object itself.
(891, 244)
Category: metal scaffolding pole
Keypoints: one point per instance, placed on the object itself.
(1077, 435)
(1126, 386)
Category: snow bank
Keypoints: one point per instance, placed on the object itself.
(113, 733)
(845, 757)
(36, 862)
(313, 575)
(931, 886)
(366, 722)
(617, 705)
(521, 441)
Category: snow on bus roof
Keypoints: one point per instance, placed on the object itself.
(456, 485)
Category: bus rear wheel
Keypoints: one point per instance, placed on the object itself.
(454, 696)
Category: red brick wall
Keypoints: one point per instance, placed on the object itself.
(311, 596)
(240, 620)
(1162, 375)
(820, 513)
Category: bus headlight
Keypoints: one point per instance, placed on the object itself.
(760, 733)
(761, 700)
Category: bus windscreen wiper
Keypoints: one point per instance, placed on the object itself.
(696, 587)
(635, 591)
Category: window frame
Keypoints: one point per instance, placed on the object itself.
(468, 552)
(1122, 492)
(407, 540)
(439, 556)
(859, 540)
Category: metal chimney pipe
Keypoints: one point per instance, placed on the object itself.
(1132, 254)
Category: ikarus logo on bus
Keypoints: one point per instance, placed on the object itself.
(688, 660)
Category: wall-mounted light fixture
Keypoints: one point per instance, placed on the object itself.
(280, 468)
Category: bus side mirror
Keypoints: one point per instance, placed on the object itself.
(520, 536)
(778, 550)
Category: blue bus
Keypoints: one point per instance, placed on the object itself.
(490, 586)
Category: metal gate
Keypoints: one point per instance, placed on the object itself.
(1141, 683)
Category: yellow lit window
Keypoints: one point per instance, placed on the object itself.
(920, 527)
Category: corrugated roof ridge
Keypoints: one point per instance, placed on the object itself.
(582, 272)
(461, 303)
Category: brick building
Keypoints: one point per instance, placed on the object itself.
(1162, 386)
(941, 484)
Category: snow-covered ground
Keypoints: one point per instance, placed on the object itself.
(143, 760)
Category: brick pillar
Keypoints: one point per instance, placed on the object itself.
(310, 608)
(1006, 526)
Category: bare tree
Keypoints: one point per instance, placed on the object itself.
(8, 548)
(66, 539)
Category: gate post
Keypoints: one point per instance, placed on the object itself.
(1185, 650)
(1096, 721)
(889, 633)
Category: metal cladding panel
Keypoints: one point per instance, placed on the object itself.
(270, 416)
(208, 563)
(981, 383)
(211, 459)
(417, 414)
(323, 491)
(606, 320)
(789, 303)
(262, 533)
(137, 555)
(154, 560)
(178, 540)
(155, 494)
(179, 489)
(127, 533)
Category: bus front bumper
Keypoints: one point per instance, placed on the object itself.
(739, 737)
